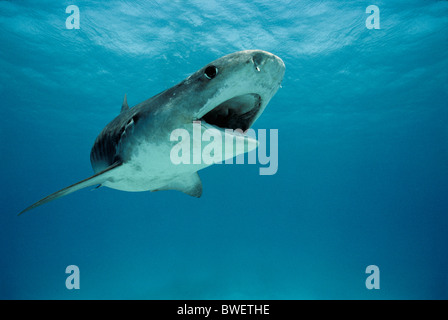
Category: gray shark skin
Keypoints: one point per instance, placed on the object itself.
(132, 153)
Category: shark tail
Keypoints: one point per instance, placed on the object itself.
(97, 178)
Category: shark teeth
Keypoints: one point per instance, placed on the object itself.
(237, 134)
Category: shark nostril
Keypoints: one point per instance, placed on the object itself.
(258, 58)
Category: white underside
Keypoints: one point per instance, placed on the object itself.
(151, 168)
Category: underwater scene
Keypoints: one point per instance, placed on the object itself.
(341, 191)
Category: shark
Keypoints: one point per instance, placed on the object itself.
(134, 151)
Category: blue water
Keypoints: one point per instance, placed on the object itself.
(362, 119)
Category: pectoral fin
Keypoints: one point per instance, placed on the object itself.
(189, 184)
(97, 178)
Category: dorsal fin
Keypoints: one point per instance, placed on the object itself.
(124, 106)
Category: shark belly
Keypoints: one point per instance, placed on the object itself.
(151, 165)
(150, 168)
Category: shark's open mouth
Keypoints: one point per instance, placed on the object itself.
(236, 113)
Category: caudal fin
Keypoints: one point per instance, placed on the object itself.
(97, 178)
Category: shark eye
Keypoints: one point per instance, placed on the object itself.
(210, 72)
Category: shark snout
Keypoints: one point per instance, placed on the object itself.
(266, 61)
(261, 58)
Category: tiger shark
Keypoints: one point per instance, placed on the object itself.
(134, 151)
